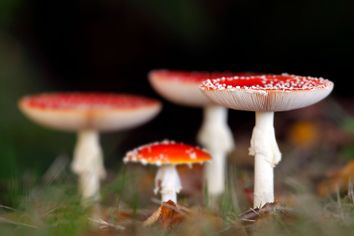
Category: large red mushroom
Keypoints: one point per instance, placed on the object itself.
(88, 114)
(265, 95)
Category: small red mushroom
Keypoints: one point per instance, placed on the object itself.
(182, 87)
(166, 155)
(87, 114)
(265, 95)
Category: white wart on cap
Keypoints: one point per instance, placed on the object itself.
(267, 93)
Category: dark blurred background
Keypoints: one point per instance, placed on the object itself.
(110, 45)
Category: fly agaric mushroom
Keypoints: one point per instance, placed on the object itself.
(166, 155)
(265, 95)
(87, 114)
(182, 88)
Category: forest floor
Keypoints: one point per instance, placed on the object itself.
(313, 185)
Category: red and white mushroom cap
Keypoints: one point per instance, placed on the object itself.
(167, 152)
(99, 111)
(267, 93)
(182, 87)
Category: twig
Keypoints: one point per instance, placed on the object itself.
(7, 207)
(56, 169)
(350, 190)
(4, 220)
(253, 214)
(104, 224)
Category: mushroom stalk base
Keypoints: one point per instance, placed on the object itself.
(88, 164)
(168, 183)
(216, 136)
(267, 155)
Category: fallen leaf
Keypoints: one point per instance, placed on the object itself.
(167, 215)
(338, 181)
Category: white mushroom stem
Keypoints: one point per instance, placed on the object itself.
(267, 155)
(216, 136)
(88, 164)
(215, 174)
(168, 183)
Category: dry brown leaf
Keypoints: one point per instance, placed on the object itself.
(338, 181)
(168, 215)
(153, 218)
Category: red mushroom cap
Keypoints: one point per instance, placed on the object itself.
(267, 92)
(167, 152)
(182, 87)
(100, 111)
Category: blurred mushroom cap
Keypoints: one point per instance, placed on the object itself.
(182, 87)
(99, 111)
